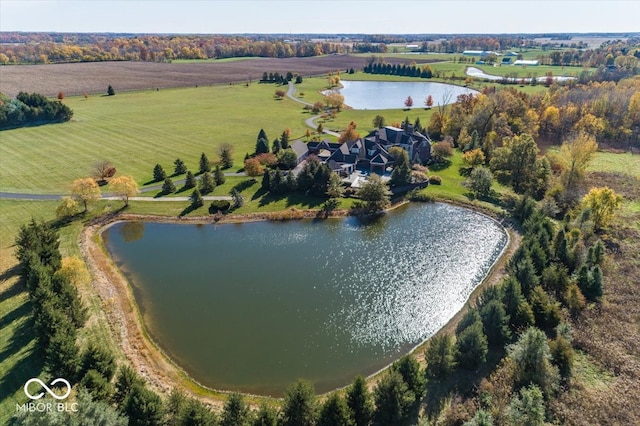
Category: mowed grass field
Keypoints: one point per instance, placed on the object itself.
(136, 130)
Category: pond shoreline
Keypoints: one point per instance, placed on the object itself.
(148, 359)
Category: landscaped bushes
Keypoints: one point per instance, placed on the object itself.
(219, 206)
(435, 180)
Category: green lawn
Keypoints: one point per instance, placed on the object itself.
(137, 130)
(624, 163)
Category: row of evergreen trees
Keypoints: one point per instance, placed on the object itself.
(31, 109)
(57, 310)
(402, 70)
(550, 276)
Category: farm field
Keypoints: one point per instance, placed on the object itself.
(94, 77)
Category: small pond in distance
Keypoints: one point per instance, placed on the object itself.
(253, 306)
(392, 94)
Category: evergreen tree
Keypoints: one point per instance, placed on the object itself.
(562, 252)
(62, 355)
(179, 168)
(70, 303)
(207, 184)
(225, 152)
(38, 241)
(596, 254)
(481, 418)
(284, 140)
(277, 184)
(198, 414)
(168, 186)
(175, 407)
(205, 165)
(525, 273)
(97, 385)
(470, 317)
(531, 357)
(562, 355)
(334, 412)
(495, 323)
(471, 347)
(262, 142)
(266, 180)
(555, 280)
(545, 309)
(196, 199)
(360, 402)
(299, 407)
(99, 359)
(393, 400)
(527, 408)
(412, 374)
(596, 286)
(143, 407)
(126, 380)
(236, 412)
(238, 199)
(291, 183)
(189, 181)
(266, 416)
(276, 147)
(440, 356)
(158, 173)
(218, 176)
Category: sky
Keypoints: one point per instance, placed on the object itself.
(321, 16)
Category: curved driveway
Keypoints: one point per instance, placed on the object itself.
(309, 121)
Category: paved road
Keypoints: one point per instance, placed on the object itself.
(110, 196)
(309, 121)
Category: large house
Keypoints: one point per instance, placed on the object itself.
(370, 153)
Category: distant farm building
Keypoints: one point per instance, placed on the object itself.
(506, 60)
(527, 62)
(481, 53)
(412, 46)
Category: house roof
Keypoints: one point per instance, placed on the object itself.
(299, 147)
(379, 159)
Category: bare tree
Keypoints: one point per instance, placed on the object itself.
(102, 170)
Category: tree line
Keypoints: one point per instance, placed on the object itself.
(29, 109)
(56, 48)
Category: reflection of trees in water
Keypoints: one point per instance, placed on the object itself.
(372, 226)
(132, 231)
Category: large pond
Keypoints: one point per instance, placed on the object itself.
(392, 94)
(253, 306)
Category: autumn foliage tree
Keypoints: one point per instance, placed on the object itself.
(603, 203)
(125, 187)
(349, 134)
(408, 102)
(428, 102)
(85, 191)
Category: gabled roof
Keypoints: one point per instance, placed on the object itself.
(379, 159)
(299, 147)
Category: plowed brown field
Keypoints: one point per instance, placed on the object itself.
(94, 77)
